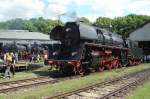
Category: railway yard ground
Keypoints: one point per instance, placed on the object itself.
(141, 92)
(39, 92)
(36, 70)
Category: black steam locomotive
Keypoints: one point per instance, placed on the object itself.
(86, 48)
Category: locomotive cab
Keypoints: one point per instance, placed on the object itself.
(134, 50)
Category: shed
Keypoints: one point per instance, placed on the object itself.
(142, 36)
(24, 37)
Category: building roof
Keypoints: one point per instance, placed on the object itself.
(22, 34)
(141, 34)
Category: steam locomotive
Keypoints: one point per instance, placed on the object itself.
(85, 48)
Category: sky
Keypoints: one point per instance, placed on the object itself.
(26, 9)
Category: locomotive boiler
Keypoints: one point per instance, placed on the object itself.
(86, 48)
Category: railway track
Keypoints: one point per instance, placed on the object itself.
(27, 83)
(112, 89)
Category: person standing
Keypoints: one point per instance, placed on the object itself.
(13, 63)
(38, 57)
(5, 58)
(8, 65)
(16, 56)
(45, 58)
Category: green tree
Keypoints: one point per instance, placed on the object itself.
(85, 20)
(3, 25)
(15, 24)
(122, 25)
(28, 25)
(125, 25)
(103, 22)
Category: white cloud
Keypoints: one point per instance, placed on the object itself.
(140, 7)
(10, 9)
(53, 10)
(109, 8)
(114, 8)
(57, 7)
(64, 2)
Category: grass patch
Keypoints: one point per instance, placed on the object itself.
(68, 85)
(141, 92)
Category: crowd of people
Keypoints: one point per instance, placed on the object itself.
(10, 58)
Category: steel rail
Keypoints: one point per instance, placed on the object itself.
(103, 84)
(28, 83)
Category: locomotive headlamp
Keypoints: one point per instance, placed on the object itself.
(68, 29)
(73, 53)
(55, 53)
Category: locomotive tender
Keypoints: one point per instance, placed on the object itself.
(86, 48)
